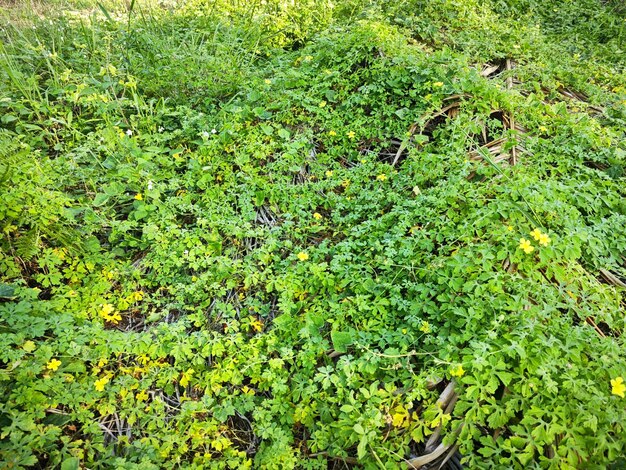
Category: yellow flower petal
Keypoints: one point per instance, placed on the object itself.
(457, 371)
(100, 383)
(526, 246)
(544, 239)
(53, 364)
(618, 387)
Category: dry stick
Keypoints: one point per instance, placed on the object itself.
(488, 70)
(447, 400)
(449, 456)
(413, 128)
(592, 323)
(106, 430)
(509, 85)
(611, 278)
(418, 462)
(447, 394)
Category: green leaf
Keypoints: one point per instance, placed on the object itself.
(7, 291)
(341, 340)
(71, 463)
(7, 118)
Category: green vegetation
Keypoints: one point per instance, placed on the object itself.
(277, 234)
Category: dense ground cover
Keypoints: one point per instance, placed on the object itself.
(276, 235)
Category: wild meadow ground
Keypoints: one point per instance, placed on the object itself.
(312, 234)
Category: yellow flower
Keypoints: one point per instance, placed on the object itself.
(184, 380)
(142, 396)
(107, 309)
(536, 234)
(381, 177)
(509, 228)
(100, 383)
(268, 81)
(257, 325)
(351, 134)
(345, 183)
(438, 84)
(526, 246)
(139, 197)
(317, 216)
(617, 386)
(543, 128)
(53, 364)
(400, 416)
(332, 133)
(457, 371)
(544, 239)
(322, 104)
(137, 296)
(108, 313)
(425, 328)
(302, 256)
(329, 174)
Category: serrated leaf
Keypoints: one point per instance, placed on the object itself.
(71, 463)
(7, 291)
(341, 340)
